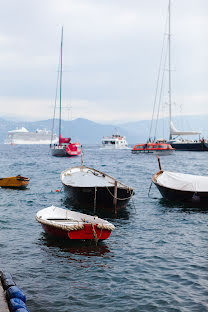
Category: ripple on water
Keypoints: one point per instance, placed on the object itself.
(155, 260)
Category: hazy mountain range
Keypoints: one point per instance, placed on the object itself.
(90, 132)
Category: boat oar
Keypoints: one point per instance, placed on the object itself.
(158, 159)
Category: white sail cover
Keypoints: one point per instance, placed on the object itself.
(174, 131)
(183, 182)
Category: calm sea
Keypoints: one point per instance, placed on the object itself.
(155, 260)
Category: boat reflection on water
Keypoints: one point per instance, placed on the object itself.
(183, 206)
(121, 213)
(65, 249)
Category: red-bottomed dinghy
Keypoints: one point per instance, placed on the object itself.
(69, 224)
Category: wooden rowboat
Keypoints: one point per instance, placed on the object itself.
(183, 187)
(17, 182)
(69, 224)
(95, 189)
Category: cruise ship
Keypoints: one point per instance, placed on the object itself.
(23, 136)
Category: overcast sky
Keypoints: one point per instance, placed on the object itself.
(111, 54)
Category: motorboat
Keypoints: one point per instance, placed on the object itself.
(18, 182)
(155, 148)
(67, 224)
(95, 189)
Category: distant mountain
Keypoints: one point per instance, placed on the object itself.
(90, 132)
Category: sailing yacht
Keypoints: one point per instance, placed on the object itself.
(64, 147)
(180, 144)
(158, 147)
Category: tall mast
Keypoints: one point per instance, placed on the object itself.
(169, 66)
(60, 81)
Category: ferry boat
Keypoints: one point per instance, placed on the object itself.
(157, 148)
(23, 136)
(115, 141)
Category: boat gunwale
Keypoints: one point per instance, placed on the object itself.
(79, 224)
(102, 173)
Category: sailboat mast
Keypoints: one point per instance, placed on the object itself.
(169, 67)
(60, 82)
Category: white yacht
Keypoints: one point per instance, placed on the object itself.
(115, 141)
(23, 136)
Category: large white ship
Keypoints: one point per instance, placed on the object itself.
(23, 136)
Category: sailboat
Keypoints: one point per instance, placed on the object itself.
(153, 146)
(64, 147)
(180, 144)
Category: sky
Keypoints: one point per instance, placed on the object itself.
(111, 56)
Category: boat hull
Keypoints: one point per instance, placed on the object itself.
(59, 152)
(191, 146)
(180, 195)
(89, 232)
(85, 196)
(64, 151)
(160, 153)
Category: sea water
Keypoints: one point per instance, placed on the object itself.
(155, 260)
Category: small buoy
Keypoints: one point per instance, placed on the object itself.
(57, 191)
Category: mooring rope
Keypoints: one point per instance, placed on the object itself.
(131, 194)
(94, 234)
(149, 188)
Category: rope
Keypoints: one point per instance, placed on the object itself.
(95, 200)
(160, 94)
(149, 193)
(95, 235)
(54, 112)
(157, 84)
(131, 192)
(134, 204)
(149, 188)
